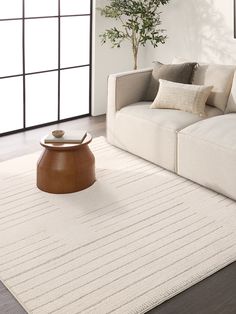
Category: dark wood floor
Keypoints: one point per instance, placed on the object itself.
(214, 295)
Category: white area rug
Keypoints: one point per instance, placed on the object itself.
(137, 237)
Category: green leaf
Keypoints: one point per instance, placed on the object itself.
(139, 23)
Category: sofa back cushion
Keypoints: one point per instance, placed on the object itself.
(180, 73)
(219, 76)
(231, 105)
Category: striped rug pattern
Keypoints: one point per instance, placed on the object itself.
(137, 237)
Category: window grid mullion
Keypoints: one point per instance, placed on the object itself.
(23, 62)
(44, 71)
(59, 60)
(90, 57)
(43, 17)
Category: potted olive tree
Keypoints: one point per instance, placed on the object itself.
(139, 23)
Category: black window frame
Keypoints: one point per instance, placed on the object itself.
(58, 69)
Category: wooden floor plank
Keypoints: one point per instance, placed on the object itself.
(214, 295)
(8, 304)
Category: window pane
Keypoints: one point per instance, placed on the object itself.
(41, 7)
(11, 48)
(75, 40)
(41, 98)
(75, 7)
(74, 92)
(41, 44)
(10, 9)
(11, 104)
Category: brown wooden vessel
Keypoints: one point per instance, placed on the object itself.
(66, 168)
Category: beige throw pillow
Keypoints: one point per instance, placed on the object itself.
(185, 97)
(220, 76)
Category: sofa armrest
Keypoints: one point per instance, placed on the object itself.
(124, 89)
(127, 88)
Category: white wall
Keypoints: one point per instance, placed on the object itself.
(106, 60)
(199, 30)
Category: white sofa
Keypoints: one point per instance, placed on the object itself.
(201, 149)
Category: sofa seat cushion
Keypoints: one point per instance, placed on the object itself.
(151, 133)
(167, 118)
(207, 153)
